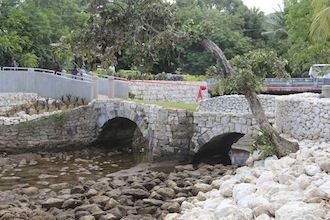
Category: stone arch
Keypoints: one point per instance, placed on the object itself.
(123, 126)
(226, 123)
(217, 149)
(117, 132)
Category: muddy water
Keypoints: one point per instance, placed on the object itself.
(62, 170)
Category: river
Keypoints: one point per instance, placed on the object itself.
(56, 170)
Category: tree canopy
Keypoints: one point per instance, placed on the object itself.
(158, 36)
(27, 28)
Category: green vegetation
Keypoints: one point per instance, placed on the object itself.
(173, 105)
(60, 118)
(262, 143)
(162, 37)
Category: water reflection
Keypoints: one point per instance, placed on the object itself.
(56, 170)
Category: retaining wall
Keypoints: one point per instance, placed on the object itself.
(170, 91)
(301, 116)
(304, 116)
(9, 100)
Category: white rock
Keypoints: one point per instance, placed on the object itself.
(257, 201)
(263, 217)
(314, 194)
(326, 188)
(201, 196)
(283, 197)
(300, 210)
(266, 176)
(226, 189)
(243, 189)
(268, 189)
(267, 209)
(312, 169)
(303, 181)
(187, 206)
(229, 211)
(172, 216)
(216, 183)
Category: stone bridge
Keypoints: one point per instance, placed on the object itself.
(162, 133)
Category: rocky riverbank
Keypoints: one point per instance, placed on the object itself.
(137, 193)
(294, 187)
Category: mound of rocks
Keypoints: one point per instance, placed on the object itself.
(294, 187)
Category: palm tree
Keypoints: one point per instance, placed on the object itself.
(320, 27)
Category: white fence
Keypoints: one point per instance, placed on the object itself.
(48, 84)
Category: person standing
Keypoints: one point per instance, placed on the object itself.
(57, 68)
(14, 64)
(75, 71)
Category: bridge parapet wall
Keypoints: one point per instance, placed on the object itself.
(171, 91)
(303, 116)
(235, 103)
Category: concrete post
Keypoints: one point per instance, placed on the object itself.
(95, 80)
(111, 87)
(326, 91)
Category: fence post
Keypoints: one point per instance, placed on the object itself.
(111, 87)
(326, 91)
(95, 80)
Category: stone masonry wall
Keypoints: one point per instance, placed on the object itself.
(171, 91)
(235, 103)
(9, 100)
(300, 116)
(167, 130)
(304, 116)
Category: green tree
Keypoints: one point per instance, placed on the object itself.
(320, 27)
(251, 70)
(276, 33)
(303, 52)
(145, 26)
(29, 27)
(13, 38)
(230, 33)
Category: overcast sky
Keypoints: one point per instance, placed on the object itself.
(267, 6)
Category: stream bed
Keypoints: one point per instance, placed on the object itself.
(62, 169)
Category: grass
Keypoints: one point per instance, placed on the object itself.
(172, 105)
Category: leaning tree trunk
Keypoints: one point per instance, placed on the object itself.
(283, 146)
(219, 57)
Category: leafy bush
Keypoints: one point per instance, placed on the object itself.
(263, 144)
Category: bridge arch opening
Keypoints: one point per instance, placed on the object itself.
(219, 150)
(122, 134)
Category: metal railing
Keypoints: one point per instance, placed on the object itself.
(297, 82)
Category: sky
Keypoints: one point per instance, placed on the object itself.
(267, 6)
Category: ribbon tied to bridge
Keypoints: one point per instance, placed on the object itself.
(199, 96)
